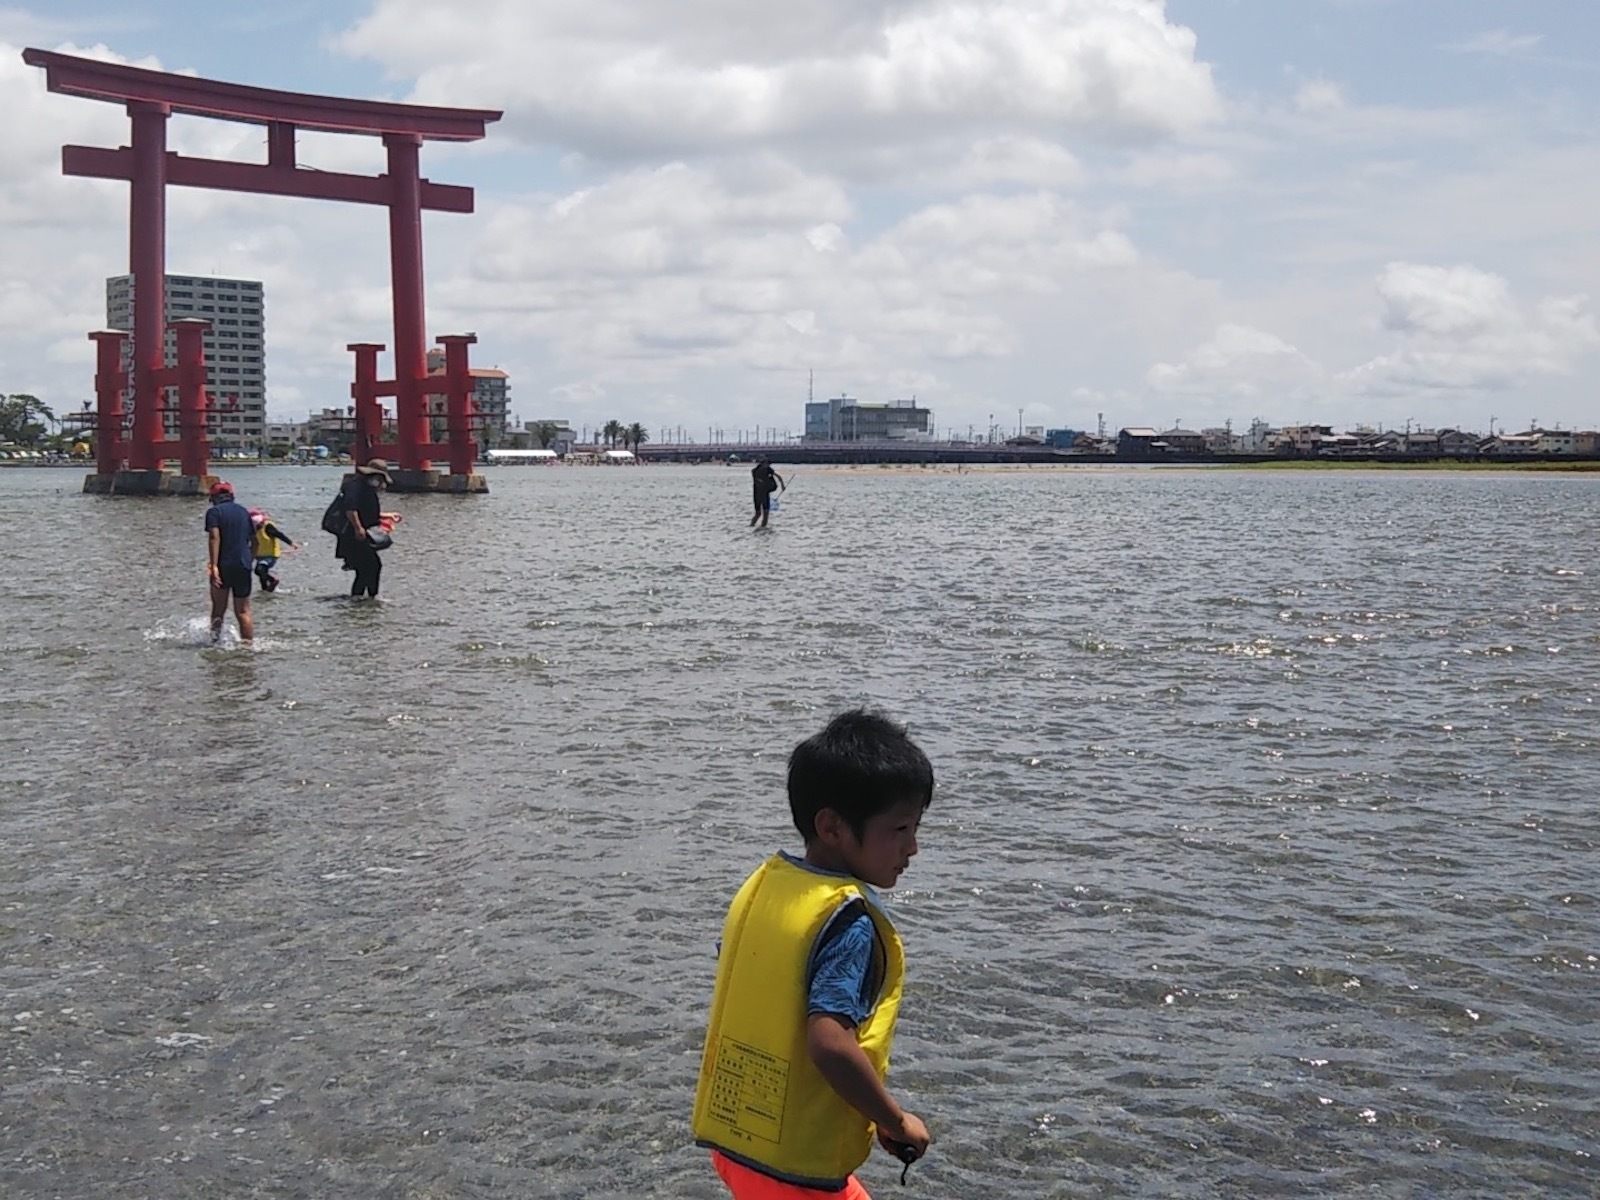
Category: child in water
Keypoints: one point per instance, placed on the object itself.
(269, 544)
(809, 978)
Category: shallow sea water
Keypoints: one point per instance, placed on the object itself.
(1263, 860)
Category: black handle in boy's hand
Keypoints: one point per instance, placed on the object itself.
(906, 1153)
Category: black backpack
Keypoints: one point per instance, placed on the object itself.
(335, 519)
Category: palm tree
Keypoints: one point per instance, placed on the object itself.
(637, 432)
(611, 432)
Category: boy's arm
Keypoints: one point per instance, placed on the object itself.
(274, 532)
(838, 1057)
(213, 551)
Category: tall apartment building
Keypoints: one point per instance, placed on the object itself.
(491, 392)
(236, 377)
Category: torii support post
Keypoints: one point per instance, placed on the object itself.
(194, 449)
(410, 321)
(147, 262)
(110, 380)
(458, 421)
(151, 97)
(365, 392)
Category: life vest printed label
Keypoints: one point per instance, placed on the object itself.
(747, 1090)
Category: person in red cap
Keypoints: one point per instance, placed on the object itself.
(230, 553)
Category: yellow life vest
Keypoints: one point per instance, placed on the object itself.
(266, 544)
(760, 1099)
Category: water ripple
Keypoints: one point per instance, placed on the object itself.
(1261, 863)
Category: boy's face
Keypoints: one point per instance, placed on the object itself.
(885, 847)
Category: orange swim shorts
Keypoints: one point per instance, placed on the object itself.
(746, 1184)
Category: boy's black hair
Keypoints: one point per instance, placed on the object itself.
(861, 764)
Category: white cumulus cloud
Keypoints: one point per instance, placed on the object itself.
(631, 78)
(1461, 329)
(1239, 361)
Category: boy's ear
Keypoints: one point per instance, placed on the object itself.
(831, 828)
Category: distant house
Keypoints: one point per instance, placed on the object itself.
(1457, 443)
(286, 433)
(563, 437)
(1261, 438)
(1424, 443)
(1384, 441)
(1586, 442)
(1513, 444)
(1140, 442)
(1061, 439)
(1557, 441)
(1184, 441)
(1303, 439)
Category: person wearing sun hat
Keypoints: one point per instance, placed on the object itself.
(230, 552)
(364, 518)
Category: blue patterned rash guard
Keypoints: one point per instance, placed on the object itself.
(846, 971)
(842, 983)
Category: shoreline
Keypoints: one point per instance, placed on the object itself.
(1584, 466)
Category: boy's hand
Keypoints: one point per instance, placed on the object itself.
(907, 1143)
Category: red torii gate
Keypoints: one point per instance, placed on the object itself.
(151, 98)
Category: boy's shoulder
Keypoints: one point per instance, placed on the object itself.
(795, 877)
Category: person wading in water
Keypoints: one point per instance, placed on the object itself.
(230, 549)
(765, 481)
(358, 542)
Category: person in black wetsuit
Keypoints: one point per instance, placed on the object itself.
(765, 481)
(364, 514)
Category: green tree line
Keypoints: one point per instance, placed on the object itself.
(25, 420)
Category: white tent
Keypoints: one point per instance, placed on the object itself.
(516, 456)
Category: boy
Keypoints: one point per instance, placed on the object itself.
(809, 978)
(268, 548)
(230, 543)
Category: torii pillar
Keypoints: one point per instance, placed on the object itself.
(151, 98)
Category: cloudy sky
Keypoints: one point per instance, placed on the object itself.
(1337, 211)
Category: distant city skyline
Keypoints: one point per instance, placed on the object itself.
(1340, 211)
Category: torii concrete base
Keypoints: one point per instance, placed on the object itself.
(147, 483)
(436, 481)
